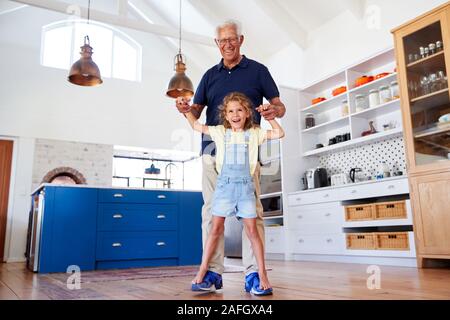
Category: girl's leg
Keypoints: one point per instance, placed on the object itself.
(216, 232)
(258, 249)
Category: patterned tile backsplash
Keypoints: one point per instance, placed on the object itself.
(368, 158)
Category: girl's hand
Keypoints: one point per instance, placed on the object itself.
(182, 105)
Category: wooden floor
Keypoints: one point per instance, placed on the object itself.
(290, 280)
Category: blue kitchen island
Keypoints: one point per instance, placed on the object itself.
(107, 228)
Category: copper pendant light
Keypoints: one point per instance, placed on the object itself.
(85, 72)
(180, 85)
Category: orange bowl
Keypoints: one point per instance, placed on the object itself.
(317, 100)
(363, 80)
(381, 75)
(339, 90)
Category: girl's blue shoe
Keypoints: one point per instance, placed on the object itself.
(252, 285)
(211, 282)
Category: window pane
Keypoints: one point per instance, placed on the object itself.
(101, 42)
(57, 44)
(125, 60)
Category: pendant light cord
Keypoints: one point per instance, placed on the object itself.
(179, 45)
(89, 9)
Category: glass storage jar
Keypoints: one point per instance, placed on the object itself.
(310, 122)
(360, 102)
(374, 98)
(344, 108)
(394, 90)
(385, 94)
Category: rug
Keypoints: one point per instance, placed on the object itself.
(135, 274)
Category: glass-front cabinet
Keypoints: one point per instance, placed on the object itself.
(423, 58)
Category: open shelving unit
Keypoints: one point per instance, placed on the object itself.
(330, 120)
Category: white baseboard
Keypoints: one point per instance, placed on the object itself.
(386, 261)
(14, 260)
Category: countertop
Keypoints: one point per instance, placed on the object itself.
(350, 185)
(103, 187)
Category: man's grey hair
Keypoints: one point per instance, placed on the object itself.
(230, 23)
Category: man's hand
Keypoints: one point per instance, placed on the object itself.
(268, 111)
(182, 105)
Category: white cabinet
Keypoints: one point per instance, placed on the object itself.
(317, 244)
(275, 241)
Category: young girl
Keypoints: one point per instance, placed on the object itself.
(237, 142)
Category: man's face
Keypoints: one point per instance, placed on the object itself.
(229, 44)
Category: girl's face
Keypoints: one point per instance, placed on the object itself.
(236, 115)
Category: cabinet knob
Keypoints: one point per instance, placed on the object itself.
(299, 217)
(391, 187)
(118, 195)
(161, 216)
(272, 240)
(160, 243)
(117, 244)
(329, 240)
(118, 216)
(301, 240)
(328, 214)
(298, 199)
(326, 195)
(161, 196)
(354, 191)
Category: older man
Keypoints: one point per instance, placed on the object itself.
(235, 72)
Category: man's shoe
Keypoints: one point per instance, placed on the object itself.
(211, 281)
(252, 285)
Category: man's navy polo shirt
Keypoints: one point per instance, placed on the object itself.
(248, 77)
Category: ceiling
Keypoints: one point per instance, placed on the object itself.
(268, 25)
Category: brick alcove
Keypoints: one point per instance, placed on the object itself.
(64, 175)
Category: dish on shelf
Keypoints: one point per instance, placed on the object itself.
(382, 75)
(318, 100)
(363, 80)
(339, 90)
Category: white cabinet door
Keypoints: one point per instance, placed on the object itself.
(305, 198)
(274, 240)
(317, 244)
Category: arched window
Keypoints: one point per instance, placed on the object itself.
(116, 54)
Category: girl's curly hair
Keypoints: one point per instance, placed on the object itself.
(245, 102)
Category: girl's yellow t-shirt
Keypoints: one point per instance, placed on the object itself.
(257, 137)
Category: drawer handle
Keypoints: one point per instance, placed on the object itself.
(118, 195)
(391, 187)
(272, 240)
(161, 243)
(299, 199)
(328, 214)
(161, 196)
(299, 217)
(118, 216)
(161, 216)
(354, 191)
(117, 244)
(329, 240)
(326, 196)
(301, 240)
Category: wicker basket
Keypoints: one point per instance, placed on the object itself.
(359, 212)
(361, 241)
(392, 241)
(390, 210)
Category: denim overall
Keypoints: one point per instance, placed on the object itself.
(235, 190)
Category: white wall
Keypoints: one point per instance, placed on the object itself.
(39, 102)
(344, 41)
(19, 204)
